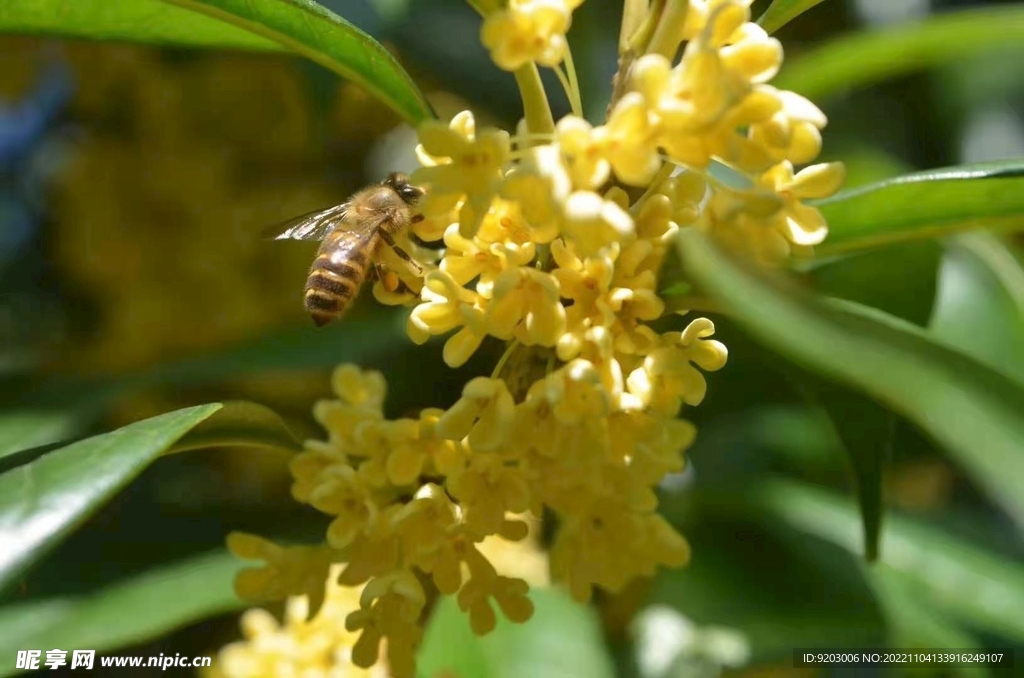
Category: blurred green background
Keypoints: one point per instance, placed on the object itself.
(134, 183)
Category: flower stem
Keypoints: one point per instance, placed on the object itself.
(504, 358)
(664, 173)
(564, 79)
(531, 89)
(669, 32)
(575, 99)
(535, 100)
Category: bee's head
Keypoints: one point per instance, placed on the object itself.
(400, 184)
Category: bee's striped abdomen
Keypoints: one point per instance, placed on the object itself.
(337, 274)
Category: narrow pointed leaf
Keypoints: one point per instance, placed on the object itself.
(867, 57)
(142, 608)
(866, 431)
(929, 204)
(240, 423)
(974, 412)
(781, 12)
(301, 26)
(43, 501)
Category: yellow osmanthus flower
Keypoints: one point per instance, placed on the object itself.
(462, 165)
(446, 306)
(320, 645)
(554, 243)
(312, 646)
(528, 30)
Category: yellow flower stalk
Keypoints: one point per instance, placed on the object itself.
(554, 239)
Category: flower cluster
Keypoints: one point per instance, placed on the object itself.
(554, 239)
(300, 645)
(312, 640)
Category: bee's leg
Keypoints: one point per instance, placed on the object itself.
(402, 254)
(389, 279)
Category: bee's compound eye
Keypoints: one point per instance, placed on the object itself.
(410, 193)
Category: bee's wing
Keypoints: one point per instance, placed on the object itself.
(312, 226)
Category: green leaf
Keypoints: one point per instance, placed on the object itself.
(967, 583)
(866, 431)
(240, 424)
(43, 501)
(26, 428)
(864, 58)
(980, 305)
(137, 610)
(928, 204)
(301, 26)
(146, 21)
(900, 279)
(561, 639)
(781, 12)
(977, 414)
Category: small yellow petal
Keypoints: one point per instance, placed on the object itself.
(460, 347)
(818, 181)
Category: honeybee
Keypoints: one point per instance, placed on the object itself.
(353, 234)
